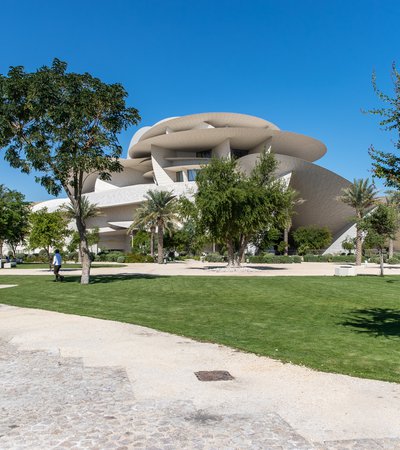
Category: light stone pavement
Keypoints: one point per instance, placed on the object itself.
(197, 268)
(134, 388)
(52, 402)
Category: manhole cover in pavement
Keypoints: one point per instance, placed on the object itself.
(213, 375)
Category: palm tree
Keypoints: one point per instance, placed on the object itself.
(144, 219)
(361, 196)
(161, 210)
(393, 201)
(87, 211)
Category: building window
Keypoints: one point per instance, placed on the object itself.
(236, 153)
(179, 176)
(192, 174)
(203, 154)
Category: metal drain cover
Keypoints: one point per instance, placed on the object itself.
(213, 375)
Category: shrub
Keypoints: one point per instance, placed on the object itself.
(138, 258)
(43, 256)
(330, 258)
(214, 257)
(113, 256)
(32, 259)
(121, 259)
(72, 256)
(269, 258)
(344, 258)
(394, 260)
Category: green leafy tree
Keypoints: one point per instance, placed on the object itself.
(160, 209)
(14, 218)
(144, 219)
(293, 201)
(311, 239)
(141, 242)
(64, 126)
(234, 208)
(48, 230)
(393, 201)
(386, 165)
(349, 244)
(381, 225)
(361, 196)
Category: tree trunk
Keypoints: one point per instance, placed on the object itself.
(242, 250)
(381, 262)
(160, 248)
(1, 247)
(391, 248)
(286, 240)
(86, 263)
(49, 257)
(233, 260)
(152, 233)
(358, 247)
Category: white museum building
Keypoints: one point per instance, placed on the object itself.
(168, 155)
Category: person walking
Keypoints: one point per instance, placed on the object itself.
(57, 262)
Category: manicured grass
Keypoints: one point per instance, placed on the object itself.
(65, 266)
(346, 325)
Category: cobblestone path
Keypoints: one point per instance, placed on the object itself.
(51, 402)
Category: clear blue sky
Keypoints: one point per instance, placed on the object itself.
(304, 65)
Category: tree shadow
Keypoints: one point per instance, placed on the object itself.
(375, 322)
(97, 279)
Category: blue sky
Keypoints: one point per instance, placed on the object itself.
(306, 66)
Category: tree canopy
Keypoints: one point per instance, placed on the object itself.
(386, 165)
(381, 225)
(64, 126)
(14, 213)
(48, 230)
(233, 208)
(311, 239)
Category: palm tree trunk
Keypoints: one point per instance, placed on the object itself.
(160, 257)
(286, 240)
(391, 248)
(152, 233)
(358, 247)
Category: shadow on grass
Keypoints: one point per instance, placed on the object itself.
(375, 321)
(97, 279)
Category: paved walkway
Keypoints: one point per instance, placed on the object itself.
(192, 267)
(76, 382)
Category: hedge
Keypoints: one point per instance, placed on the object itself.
(274, 259)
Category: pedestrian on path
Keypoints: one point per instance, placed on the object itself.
(57, 262)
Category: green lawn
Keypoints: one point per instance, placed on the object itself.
(346, 325)
(65, 266)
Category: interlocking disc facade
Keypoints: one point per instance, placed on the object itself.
(168, 155)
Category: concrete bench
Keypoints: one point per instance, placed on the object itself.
(345, 271)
